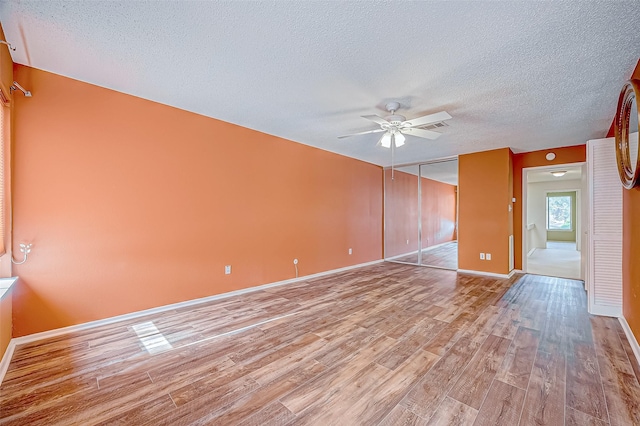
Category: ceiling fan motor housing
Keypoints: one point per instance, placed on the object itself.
(392, 107)
(395, 119)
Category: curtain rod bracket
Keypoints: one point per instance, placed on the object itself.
(8, 45)
(15, 86)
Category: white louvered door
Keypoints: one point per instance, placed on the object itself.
(604, 280)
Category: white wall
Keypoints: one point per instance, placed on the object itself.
(537, 208)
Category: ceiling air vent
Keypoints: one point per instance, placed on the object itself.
(437, 125)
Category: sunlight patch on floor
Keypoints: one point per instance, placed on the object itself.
(151, 338)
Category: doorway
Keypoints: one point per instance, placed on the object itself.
(554, 221)
(421, 214)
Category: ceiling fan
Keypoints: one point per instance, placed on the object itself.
(396, 126)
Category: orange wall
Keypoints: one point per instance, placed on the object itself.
(484, 221)
(5, 203)
(630, 256)
(401, 213)
(5, 322)
(131, 204)
(566, 155)
(6, 79)
(631, 252)
(6, 67)
(438, 212)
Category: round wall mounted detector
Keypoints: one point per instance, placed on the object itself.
(550, 156)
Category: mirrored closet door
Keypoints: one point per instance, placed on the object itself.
(421, 203)
(401, 239)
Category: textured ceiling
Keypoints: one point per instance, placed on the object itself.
(528, 75)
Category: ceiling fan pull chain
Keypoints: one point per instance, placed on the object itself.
(393, 151)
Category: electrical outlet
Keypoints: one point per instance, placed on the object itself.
(227, 269)
(350, 251)
(481, 256)
(407, 242)
(488, 256)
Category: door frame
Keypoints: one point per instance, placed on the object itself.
(581, 219)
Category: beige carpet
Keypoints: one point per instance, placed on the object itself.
(559, 259)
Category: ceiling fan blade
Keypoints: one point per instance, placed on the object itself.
(431, 118)
(376, 119)
(421, 133)
(361, 133)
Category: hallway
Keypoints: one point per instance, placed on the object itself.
(559, 259)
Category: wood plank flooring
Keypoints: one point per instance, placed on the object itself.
(388, 344)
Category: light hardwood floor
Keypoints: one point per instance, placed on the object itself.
(387, 344)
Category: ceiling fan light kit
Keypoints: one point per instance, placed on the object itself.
(395, 126)
(385, 140)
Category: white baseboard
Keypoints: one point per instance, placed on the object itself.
(435, 246)
(606, 311)
(488, 274)
(630, 337)
(6, 359)
(402, 255)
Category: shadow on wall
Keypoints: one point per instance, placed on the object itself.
(43, 309)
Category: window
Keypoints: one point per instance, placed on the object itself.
(559, 212)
